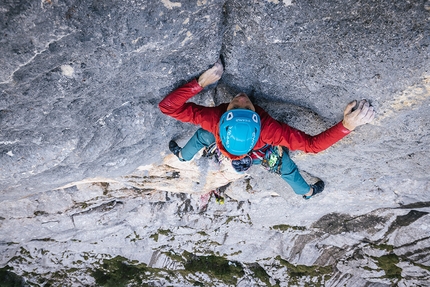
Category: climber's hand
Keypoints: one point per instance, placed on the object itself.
(212, 75)
(362, 115)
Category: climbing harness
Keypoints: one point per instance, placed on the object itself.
(270, 158)
(273, 159)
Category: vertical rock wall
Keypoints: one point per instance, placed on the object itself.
(89, 195)
(80, 83)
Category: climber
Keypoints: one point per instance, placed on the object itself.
(246, 134)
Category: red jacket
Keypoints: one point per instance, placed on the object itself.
(272, 132)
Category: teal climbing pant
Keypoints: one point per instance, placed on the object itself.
(288, 171)
(199, 140)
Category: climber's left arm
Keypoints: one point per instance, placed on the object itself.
(294, 139)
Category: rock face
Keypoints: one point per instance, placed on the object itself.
(90, 195)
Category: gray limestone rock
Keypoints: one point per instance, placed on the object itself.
(87, 182)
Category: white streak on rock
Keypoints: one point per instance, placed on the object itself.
(9, 142)
(144, 48)
(170, 5)
(188, 38)
(32, 58)
(135, 40)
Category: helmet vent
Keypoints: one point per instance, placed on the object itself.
(239, 130)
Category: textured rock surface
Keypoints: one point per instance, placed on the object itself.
(90, 195)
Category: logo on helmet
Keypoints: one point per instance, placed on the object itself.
(239, 130)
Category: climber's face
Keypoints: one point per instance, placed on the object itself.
(241, 101)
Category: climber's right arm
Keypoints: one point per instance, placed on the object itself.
(175, 104)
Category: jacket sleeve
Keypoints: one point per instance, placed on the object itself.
(175, 105)
(294, 139)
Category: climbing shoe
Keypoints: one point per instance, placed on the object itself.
(175, 149)
(318, 187)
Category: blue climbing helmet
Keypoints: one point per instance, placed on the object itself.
(239, 130)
